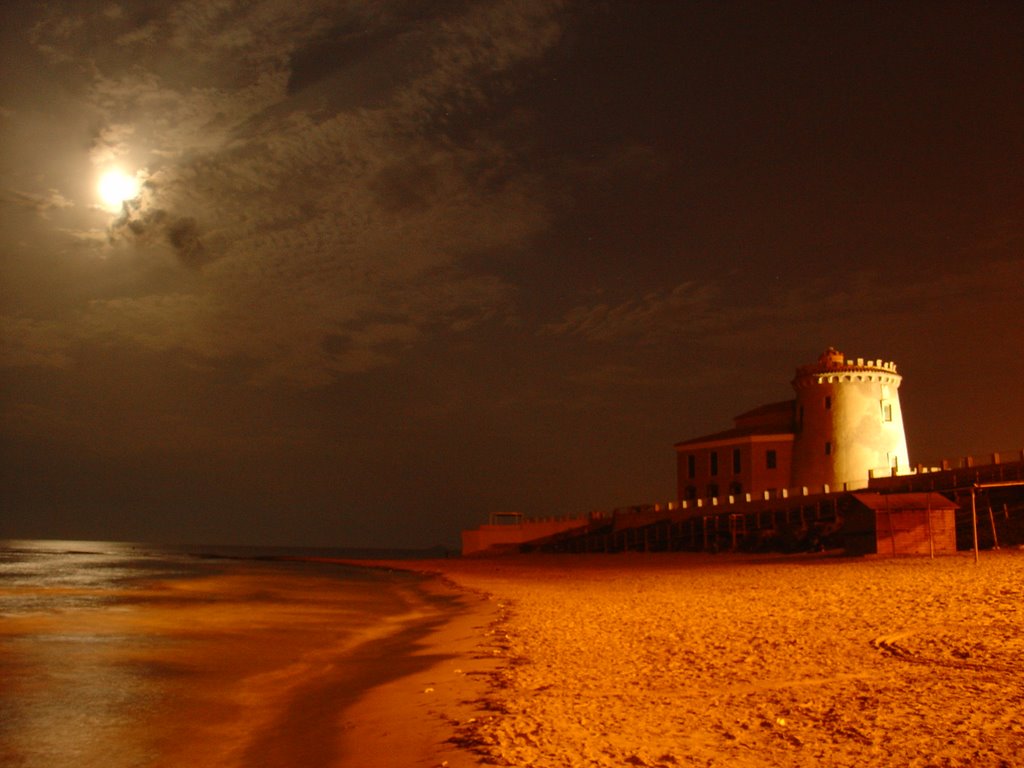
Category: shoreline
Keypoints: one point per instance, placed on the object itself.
(111, 661)
(413, 718)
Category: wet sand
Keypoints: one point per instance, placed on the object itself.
(687, 660)
(415, 720)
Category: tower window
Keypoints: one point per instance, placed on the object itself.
(828, 449)
(691, 466)
(828, 402)
(886, 411)
(771, 459)
(714, 463)
(737, 461)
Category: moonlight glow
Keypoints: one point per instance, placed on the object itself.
(115, 187)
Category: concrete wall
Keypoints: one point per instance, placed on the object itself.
(486, 537)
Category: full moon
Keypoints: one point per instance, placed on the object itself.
(115, 187)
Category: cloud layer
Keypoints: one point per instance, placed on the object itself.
(329, 217)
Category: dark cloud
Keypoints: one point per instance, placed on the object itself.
(373, 53)
(145, 226)
(404, 186)
(183, 235)
(335, 343)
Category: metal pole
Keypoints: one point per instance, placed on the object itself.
(992, 520)
(892, 531)
(931, 538)
(974, 521)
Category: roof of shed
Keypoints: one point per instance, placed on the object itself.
(897, 501)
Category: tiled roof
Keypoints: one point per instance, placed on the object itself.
(770, 419)
(736, 434)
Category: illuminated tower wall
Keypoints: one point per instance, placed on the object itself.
(848, 422)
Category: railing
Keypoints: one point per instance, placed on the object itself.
(950, 473)
(999, 466)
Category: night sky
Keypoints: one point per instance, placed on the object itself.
(395, 265)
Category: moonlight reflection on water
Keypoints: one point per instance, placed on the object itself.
(112, 656)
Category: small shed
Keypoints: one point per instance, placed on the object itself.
(892, 524)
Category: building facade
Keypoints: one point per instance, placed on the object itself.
(844, 425)
(754, 456)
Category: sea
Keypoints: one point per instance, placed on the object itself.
(121, 654)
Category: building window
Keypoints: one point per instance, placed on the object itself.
(737, 461)
(735, 489)
(690, 492)
(713, 490)
(828, 449)
(771, 459)
(691, 466)
(886, 411)
(828, 402)
(714, 464)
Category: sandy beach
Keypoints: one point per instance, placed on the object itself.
(687, 660)
(556, 660)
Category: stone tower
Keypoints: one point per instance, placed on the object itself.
(848, 422)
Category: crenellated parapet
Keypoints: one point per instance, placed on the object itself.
(833, 368)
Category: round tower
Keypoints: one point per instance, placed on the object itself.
(848, 422)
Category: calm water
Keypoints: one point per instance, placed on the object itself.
(117, 654)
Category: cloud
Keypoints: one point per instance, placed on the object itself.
(183, 235)
(787, 314)
(143, 223)
(52, 200)
(686, 309)
(33, 343)
(309, 200)
(111, 144)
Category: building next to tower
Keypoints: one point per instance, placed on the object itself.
(844, 427)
